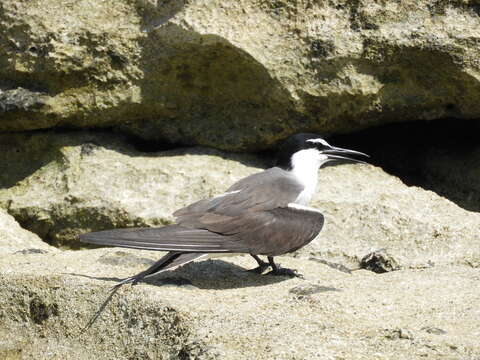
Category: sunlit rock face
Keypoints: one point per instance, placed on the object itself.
(98, 99)
(235, 75)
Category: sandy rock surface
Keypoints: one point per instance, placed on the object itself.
(235, 74)
(214, 309)
(424, 305)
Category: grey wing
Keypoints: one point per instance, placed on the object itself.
(239, 221)
(275, 232)
(271, 232)
(267, 190)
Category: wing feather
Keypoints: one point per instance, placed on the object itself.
(267, 190)
(168, 238)
(254, 216)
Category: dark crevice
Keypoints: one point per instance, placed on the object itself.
(440, 155)
(151, 146)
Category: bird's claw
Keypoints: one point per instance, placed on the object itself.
(259, 269)
(286, 272)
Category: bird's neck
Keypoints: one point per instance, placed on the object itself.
(308, 177)
(305, 167)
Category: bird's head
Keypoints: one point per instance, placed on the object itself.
(312, 150)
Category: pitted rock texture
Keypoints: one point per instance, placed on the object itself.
(221, 311)
(235, 75)
(59, 185)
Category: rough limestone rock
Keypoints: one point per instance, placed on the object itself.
(14, 239)
(214, 309)
(61, 184)
(235, 74)
(368, 210)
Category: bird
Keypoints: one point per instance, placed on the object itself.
(264, 214)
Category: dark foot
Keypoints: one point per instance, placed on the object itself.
(259, 269)
(262, 265)
(278, 271)
(285, 272)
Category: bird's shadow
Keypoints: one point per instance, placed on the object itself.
(209, 274)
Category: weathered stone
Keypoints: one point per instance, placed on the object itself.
(379, 261)
(236, 74)
(14, 239)
(59, 185)
(366, 210)
(397, 333)
(232, 314)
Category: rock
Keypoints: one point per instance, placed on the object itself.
(61, 184)
(235, 74)
(379, 262)
(14, 239)
(229, 313)
(366, 209)
(434, 330)
(397, 333)
(310, 289)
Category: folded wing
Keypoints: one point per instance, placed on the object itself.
(253, 216)
(167, 238)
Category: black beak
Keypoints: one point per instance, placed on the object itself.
(344, 155)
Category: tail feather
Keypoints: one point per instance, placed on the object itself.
(167, 262)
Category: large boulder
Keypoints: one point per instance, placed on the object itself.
(59, 185)
(214, 309)
(235, 74)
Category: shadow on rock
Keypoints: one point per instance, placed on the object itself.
(209, 274)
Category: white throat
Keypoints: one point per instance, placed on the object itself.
(305, 165)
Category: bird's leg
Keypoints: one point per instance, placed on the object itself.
(277, 270)
(262, 265)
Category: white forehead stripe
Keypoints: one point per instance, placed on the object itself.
(319, 140)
